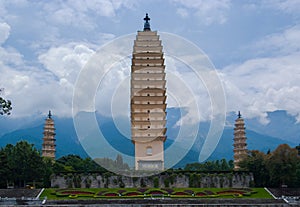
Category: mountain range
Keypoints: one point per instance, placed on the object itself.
(282, 128)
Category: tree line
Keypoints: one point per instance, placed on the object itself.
(274, 169)
(214, 165)
(22, 164)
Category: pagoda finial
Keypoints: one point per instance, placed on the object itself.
(147, 24)
(49, 114)
(239, 115)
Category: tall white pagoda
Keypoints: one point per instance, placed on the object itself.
(148, 100)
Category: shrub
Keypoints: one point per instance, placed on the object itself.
(143, 184)
(156, 182)
(167, 182)
(172, 178)
(134, 179)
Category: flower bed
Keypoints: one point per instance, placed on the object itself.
(156, 192)
(101, 193)
(132, 194)
(200, 194)
(181, 193)
(236, 192)
(208, 192)
(109, 194)
(230, 192)
(153, 192)
(74, 193)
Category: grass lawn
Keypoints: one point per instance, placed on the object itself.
(131, 193)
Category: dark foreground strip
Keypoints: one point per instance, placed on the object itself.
(178, 202)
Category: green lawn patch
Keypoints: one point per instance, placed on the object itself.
(110, 193)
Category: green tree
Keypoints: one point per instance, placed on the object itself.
(24, 163)
(216, 165)
(71, 163)
(298, 149)
(91, 165)
(5, 105)
(282, 165)
(27, 162)
(48, 170)
(74, 163)
(224, 165)
(156, 182)
(297, 181)
(255, 162)
(4, 169)
(231, 164)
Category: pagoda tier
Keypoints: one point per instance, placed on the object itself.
(148, 100)
(48, 146)
(239, 145)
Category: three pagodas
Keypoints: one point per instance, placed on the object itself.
(148, 106)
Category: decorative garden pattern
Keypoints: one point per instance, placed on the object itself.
(153, 192)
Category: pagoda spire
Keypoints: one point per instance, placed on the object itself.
(240, 145)
(147, 23)
(49, 114)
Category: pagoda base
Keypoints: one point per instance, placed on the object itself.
(150, 165)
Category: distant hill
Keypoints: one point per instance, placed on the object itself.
(66, 138)
(67, 141)
(225, 149)
(281, 125)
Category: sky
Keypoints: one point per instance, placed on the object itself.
(254, 46)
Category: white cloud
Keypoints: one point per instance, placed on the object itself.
(83, 13)
(267, 82)
(261, 85)
(183, 12)
(270, 80)
(66, 60)
(282, 43)
(208, 12)
(4, 32)
(8, 55)
(34, 91)
(286, 6)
